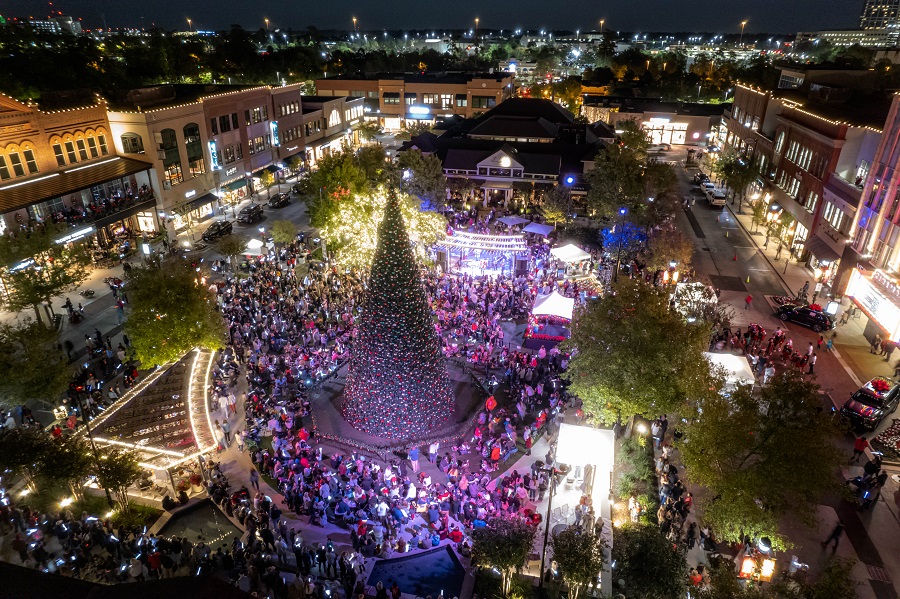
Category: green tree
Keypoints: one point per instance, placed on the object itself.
(647, 566)
(40, 269)
(267, 179)
(635, 355)
(33, 365)
(369, 130)
(375, 164)
(284, 232)
(23, 450)
(556, 205)
(231, 246)
(666, 245)
(172, 312)
(759, 210)
(67, 460)
(737, 172)
(426, 176)
(835, 582)
(336, 179)
(745, 448)
(698, 303)
(412, 129)
(580, 555)
(118, 469)
(504, 544)
(617, 178)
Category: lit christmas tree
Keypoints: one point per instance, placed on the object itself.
(397, 386)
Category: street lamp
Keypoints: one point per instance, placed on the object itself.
(622, 212)
(743, 24)
(552, 472)
(602, 21)
(189, 25)
(354, 24)
(267, 24)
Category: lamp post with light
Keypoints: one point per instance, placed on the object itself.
(354, 25)
(743, 24)
(190, 28)
(267, 24)
(602, 21)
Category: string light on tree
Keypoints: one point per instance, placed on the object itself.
(397, 385)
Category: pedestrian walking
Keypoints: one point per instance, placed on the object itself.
(889, 348)
(876, 344)
(859, 447)
(414, 458)
(254, 478)
(812, 363)
(226, 431)
(239, 437)
(748, 302)
(834, 536)
(433, 451)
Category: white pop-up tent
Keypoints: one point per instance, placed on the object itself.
(512, 221)
(737, 369)
(553, 304)
(254, 248)
(539, 229)
(570, 253)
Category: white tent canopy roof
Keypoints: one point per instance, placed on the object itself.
(570, 253)
(538, 228)
(254, 248)
(553, 304)
(512, 221)
(737, 368)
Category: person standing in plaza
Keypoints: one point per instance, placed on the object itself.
(254, 478)
(748, 302)
(859, 448)
(812, 363)
(433, 451)
(414, 458)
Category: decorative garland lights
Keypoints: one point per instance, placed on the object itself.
(488, 243)
(397, 386)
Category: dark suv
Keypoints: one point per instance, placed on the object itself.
(872, 402)
(813, 319)
(217, 229)
(279, 200)
(250, 214)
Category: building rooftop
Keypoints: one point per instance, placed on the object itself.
(165, 96)
(515, 126)
(638, 105)
(321, 99)
(447, 78)
(854, 107)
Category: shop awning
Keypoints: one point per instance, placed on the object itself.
(258, 171)
(553, 304)
(234, 185)
(497, 185)
(199, 201)
(737, 368)
(19, 194)
(539, 229)
(821, 250)
(570, 253)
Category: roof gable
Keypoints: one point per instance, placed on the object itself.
(505, 157)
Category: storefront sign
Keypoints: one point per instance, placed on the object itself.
(231, 171)
(76, 235)
(273, 126)
(886, 282)
(875, 304)
(190, 194)
(214, 155)
(15, 128)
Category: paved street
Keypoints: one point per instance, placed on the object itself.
(730, 253)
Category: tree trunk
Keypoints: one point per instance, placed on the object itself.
(37, 313)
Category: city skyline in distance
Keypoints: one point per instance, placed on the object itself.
(769, 16)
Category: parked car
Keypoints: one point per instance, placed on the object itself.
(814, 319)
(659, 148)
(250, 214)
(699, 179)
(216, 230)
(715, 197)
(279, 200)
(872, 402)
(297, 188)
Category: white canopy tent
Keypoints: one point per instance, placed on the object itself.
(254, 248)
(512, 221)
(553, 304)
(737, 369)
(538, 229)
(570, 253)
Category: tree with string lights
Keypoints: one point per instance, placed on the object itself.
(397, 386)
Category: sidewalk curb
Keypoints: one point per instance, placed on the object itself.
(759, 249)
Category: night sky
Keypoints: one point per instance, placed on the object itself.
(773, 16)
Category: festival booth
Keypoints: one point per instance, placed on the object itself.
(482, 255)
(166, 419)
(573, 259)
(549, 322)
(512, 221)
(736, 368)
(585, 457)
(538, 229)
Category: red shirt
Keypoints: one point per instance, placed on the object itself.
(860, 444)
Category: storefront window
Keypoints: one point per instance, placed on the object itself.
(172, 158)
(196, 164)
(146, 222)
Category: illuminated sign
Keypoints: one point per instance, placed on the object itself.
(419, 110)
(190, 194)
(875, 304)
(273, 126)
(231, 171)
(658, 120)
(76, 235)
(214, 155)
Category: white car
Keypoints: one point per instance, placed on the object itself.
(707, 186)
(716, 197)
(659, 148)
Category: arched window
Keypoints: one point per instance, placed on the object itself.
(132, 143)
(170, 157)
(196, 165)
(779, 143)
